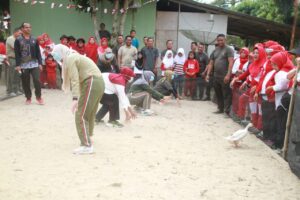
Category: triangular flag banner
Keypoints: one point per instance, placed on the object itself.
(105, 10)
(25, 1)
(33, 2)
(52, 5)
(60, 5)
(42, 2)
(88, 9)
(79, 6)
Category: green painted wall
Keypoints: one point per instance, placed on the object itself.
(60, 21)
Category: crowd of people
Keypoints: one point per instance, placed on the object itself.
(253, 86)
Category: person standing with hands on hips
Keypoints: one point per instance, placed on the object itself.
(87, 83)
(29, 62)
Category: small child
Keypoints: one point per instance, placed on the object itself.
(179, 61)
(191, 68)
(167, 62)
(51, 71)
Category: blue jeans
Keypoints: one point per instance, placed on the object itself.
(178, 83)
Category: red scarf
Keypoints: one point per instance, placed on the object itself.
(256, 66)
(243, 60)
(91, 50)
(102, 47)
(47, 39)
(39, 39)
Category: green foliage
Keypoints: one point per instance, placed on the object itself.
(266, 9)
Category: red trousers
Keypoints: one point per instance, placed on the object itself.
(235, 100)
(51, 78)
(190, 87)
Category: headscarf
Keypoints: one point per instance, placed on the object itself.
(244, 50)
(269, 43)
(139, 61)
(39, 39)
(104, 56)
(91, 50)
(144, 79)
(101, 49)
(256, 66)
(283, 61)
(272, 50)
(168, 75)
(61, 51)
(48, 41)
(168, 62)
(121, 79)
(180, 60)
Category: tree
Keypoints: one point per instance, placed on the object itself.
(120, 10)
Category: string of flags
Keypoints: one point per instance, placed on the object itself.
(88, 9)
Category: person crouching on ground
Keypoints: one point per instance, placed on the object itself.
(191, 68)
(140, 93)
(113, 94)
(87, 83)
(51, 71)
(165, 85)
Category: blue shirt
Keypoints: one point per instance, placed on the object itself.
(135, 43)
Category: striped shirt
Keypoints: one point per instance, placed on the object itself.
(178, 69)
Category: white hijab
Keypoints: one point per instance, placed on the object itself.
(61, 52)
(168, 62)
(180, 60)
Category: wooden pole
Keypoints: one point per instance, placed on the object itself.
(178, 20)
(290, 114)
(296, 2)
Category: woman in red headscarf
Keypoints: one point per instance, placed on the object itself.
(240, 66)
(251, 78)
(48, 41)
(103, 46)
(282, 64)
(91, 49)
(113, 94)
(268, 99)
(43, 73)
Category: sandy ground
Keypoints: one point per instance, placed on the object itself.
(178, 154)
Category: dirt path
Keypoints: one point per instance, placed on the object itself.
(178, 154)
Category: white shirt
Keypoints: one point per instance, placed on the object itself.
(266, 80)
(236, 66)
(119, 90)
(281, 86)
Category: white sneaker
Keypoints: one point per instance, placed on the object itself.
(83, 150)
(147, 112)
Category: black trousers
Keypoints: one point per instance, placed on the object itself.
(110, 103)
(35, 74)
(282, 115)
(209, 85)
(223, 95)
(269, 119)
(201, 84)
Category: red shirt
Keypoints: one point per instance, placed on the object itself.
(50, 66)
(191, 66)
(2, 48)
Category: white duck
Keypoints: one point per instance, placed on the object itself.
(237, 136)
